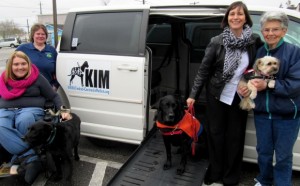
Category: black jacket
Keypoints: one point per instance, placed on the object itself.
(211, 68)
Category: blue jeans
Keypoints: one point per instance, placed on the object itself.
(14, 124)
(279, 136)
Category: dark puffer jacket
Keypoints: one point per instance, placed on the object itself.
(284, 100)
(211, 68)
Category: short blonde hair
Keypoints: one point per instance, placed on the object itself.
(9, 74)
(35, 28)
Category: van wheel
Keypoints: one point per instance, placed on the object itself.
(12, 46)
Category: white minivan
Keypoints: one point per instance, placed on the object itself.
(114, 63)
(10, 42)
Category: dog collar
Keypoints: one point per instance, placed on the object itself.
(262, 77)
(173, 132)
(250, 74)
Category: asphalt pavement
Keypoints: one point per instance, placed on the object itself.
(100, 161)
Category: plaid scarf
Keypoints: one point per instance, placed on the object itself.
(233, 50)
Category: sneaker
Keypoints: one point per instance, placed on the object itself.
(257, 182)
(14, 169)
(4, 170)
(213, 184)
(217, 184)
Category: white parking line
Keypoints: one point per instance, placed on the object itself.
(98, 174)
(112, 164)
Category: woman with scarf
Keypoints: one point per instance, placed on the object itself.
(227, 56)
(23, 92)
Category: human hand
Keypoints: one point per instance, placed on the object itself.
(243, 90)
(260, 84)
(54, 88)
(66, 116)
(190, 101)
(65, 113)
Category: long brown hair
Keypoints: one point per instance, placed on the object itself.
(9, 74)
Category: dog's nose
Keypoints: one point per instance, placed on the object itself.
(171, 116)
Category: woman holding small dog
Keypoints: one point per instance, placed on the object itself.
(227, 56)
(276, 114)
(23, 92)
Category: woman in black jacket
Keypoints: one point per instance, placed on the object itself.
(227, 56)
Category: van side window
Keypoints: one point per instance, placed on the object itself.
(159, 33)
(107, 33)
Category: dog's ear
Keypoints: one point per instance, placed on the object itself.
(277, 61)
(158, 113)
(257, 64)
(158, 104)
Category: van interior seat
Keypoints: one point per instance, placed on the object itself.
(200, 37)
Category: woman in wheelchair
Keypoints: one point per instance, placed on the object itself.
(23, 93)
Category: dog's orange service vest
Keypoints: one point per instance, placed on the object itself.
(189, 124)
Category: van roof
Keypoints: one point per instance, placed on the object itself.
(182, 9)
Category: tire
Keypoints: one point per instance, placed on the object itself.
(12, 46)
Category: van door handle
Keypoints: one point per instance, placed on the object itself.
(127, 67)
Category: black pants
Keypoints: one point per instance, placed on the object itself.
(226, 136)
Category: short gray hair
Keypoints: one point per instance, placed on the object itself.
(275, 16)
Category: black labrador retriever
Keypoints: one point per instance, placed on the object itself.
(175, 129)
(59, 140)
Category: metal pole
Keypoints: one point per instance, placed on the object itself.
(55, 23)
(41, 8)
(27, 27)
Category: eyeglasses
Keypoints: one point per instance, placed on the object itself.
(273, 30)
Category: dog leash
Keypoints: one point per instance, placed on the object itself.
(191, 110)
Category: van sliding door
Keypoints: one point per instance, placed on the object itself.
(101, 69)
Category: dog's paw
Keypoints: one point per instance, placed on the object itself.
(253, 94)
(68, 183)
(56, 177)
(167, 165)
(245, 104)
(180, 171)
(76, 158)
(252, 104)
